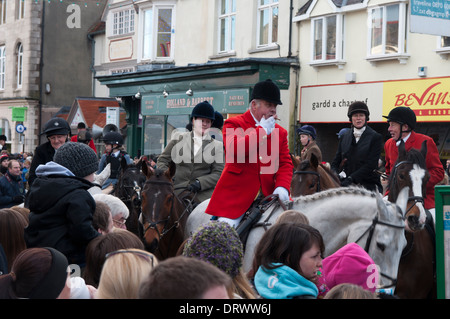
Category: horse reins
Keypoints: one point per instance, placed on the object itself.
(313, 173)
(371, 230)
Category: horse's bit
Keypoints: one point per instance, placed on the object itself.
(314, 173)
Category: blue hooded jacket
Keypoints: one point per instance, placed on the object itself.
(283, 283)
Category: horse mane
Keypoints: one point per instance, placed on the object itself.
(340, 191)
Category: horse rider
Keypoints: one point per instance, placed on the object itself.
(114, 153)
(257, 159)
(57, 131)
(402, 121)
(201, 160)
(308, 140)
(359, 149)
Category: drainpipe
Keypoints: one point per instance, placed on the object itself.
(291, 8)
(41, 67)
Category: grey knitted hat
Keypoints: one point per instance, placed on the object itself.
(79, 158)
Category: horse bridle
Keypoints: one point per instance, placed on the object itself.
(313, 173)
(416, 199)
(371, 230)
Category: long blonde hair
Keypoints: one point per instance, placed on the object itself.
(123, 272)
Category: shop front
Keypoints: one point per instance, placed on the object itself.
(326, 106)
(159, 102)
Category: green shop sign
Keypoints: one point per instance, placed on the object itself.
(228, 101)
(18, 114)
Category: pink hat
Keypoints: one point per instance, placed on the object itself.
(350, 264)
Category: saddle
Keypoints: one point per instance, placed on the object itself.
(254, 213)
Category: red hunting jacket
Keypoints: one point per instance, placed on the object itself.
(432, 160)
(253, 161)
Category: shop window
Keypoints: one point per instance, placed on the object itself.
(387, 32)
(227, 25)
(157, 29)
(267, 20)
(327, 37)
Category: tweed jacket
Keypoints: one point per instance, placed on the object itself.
(206, 166)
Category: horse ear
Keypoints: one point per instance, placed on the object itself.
(401, 151)
(314, 161)
(123, 164)
(382, 208)
(424, 149)
(170, 172)
(295, 160)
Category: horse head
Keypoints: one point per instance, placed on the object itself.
(386, 239)
(160, 209)
(128, 189)
(410, 171)
(310, 177)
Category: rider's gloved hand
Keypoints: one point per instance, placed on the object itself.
(267, 124)
(347, 182)
(194, 187)
(282, 193)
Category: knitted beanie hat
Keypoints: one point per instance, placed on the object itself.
(217, 243)
(79, 158)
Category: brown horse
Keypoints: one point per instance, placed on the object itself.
(164, 214)
(310, 177)
(416, 273)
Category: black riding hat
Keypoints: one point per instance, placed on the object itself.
(358, 107)
(203, 110)
(268, 91)
(402, 115)
(113, 138)
(56, 126)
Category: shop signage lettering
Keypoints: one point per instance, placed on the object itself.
(428, 98)
(424, 98)
(330, 103)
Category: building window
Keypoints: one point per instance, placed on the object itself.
(157, 32)
(267, 22)
(327, 37)
(20, 9)
(2, 11)
(19, 65)
(2, 67)
(387, 32)
(227, 25)
(123, 22)
(444, 43)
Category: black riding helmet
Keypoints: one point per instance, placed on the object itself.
(402, 115)
(203, 110)
(358, 107)
(267, 91)
(113, 138)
